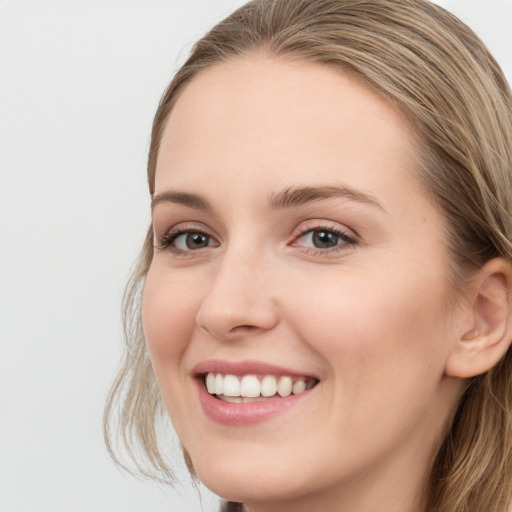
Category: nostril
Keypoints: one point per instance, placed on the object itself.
(228, 319)
(243, 328)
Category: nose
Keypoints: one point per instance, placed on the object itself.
(239, 301)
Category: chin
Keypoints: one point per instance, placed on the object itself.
(249, 480)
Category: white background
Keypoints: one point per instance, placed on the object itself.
(79, 83)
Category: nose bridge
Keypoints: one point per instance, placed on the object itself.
(240, 298)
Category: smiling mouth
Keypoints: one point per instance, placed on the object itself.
(254, 388)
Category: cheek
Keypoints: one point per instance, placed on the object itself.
(168, 316)
(386, 347)
(371, 325)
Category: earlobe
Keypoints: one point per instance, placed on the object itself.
(485, 342)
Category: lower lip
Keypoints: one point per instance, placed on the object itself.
(228, 413)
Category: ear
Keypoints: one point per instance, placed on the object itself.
(487, 331)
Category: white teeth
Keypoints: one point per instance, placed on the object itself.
(250, 388)
(268, 386)
(285, 386)
(240, 399)
(219, 384)
(299, 386)
(232, 386)
(232, 399)
(210, 383)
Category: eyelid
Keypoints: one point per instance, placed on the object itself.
(349, 238)
(164, 242)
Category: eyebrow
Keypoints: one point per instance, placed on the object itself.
(287, 198)
(183, 198)
(292, 196)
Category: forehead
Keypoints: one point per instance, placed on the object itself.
(283, 122)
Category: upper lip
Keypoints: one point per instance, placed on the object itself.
(246, 367)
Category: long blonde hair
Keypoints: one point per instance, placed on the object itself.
(433, 68)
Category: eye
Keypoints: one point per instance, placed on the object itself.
(323, 239)
(192, 241)
(182, 241)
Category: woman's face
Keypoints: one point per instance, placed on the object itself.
(294, 240)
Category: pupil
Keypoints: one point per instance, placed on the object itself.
(324, 239)
(197, 241)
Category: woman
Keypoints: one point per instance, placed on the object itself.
(322, 302)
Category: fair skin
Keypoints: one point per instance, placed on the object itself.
(347, 286)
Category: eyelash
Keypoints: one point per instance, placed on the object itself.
(167, 241)
(345, 240)
(169, 238)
